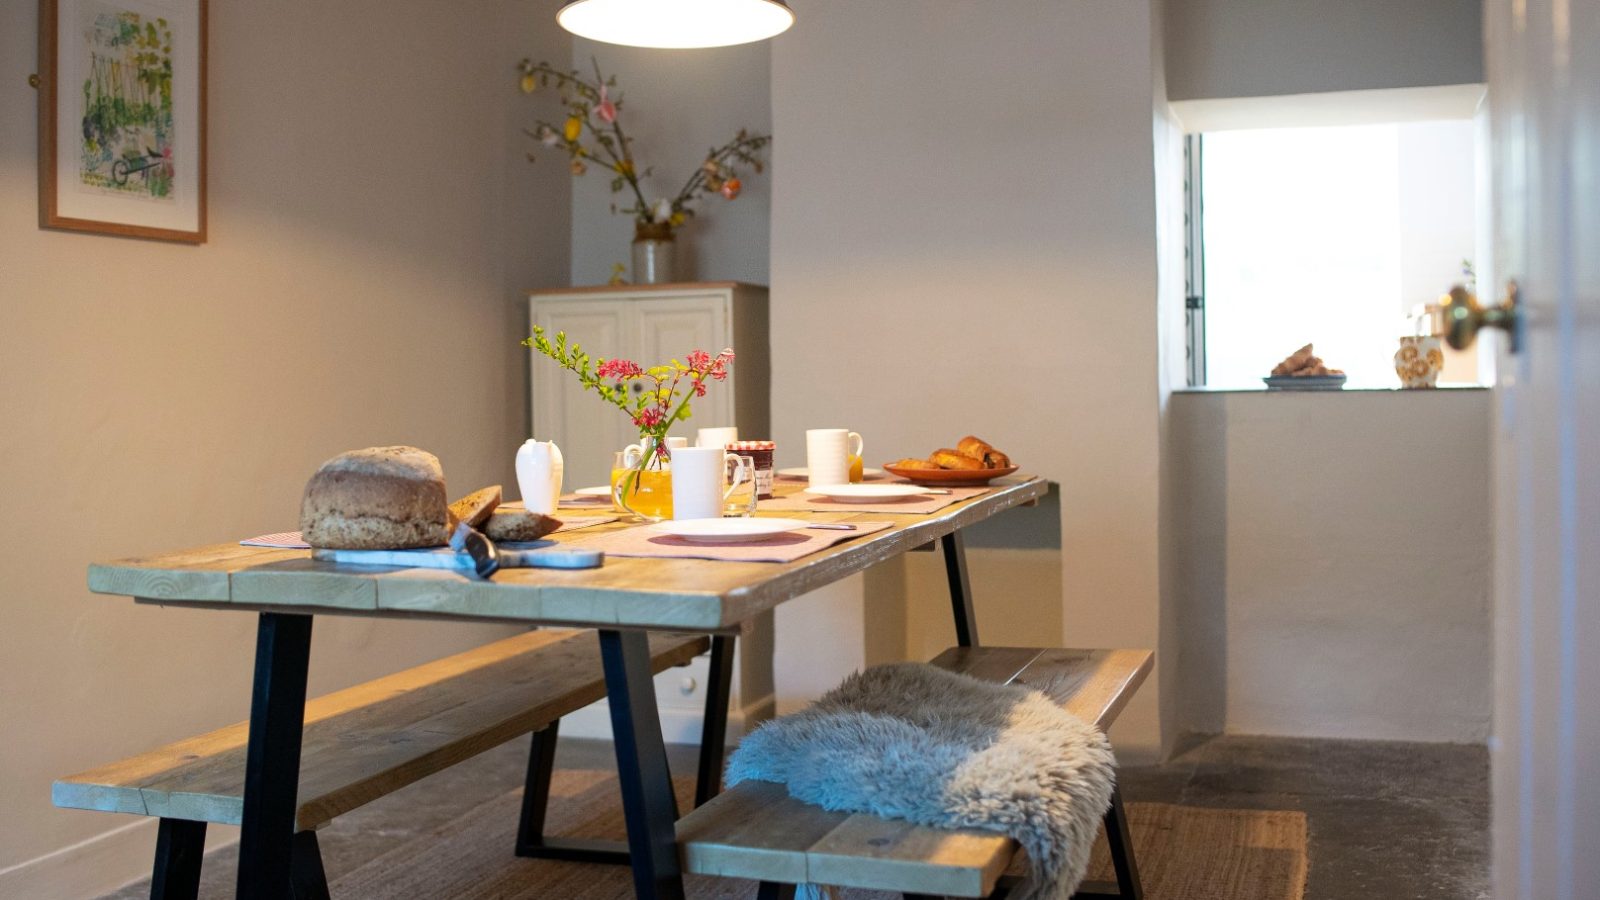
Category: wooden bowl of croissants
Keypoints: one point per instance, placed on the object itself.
(971, 461)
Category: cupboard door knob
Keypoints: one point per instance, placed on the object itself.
(687, 685)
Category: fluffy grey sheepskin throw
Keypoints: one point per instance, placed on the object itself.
(911, 741)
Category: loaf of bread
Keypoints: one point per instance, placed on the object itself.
(380, 498)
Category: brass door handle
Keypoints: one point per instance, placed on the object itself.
(1459, 315)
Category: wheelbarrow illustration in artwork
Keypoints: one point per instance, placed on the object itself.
(136, 164)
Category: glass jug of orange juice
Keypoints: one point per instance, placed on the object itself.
(641, 482)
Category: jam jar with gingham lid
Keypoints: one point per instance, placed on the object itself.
(761, 452)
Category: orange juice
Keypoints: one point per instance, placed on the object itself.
(650, 496)
(856, 471)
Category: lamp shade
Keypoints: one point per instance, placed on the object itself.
(676, 23)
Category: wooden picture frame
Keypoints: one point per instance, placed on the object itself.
(122, 117)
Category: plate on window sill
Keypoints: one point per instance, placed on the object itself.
(1305, 382)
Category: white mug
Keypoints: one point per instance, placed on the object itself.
(676, 443)
(719, 438)
(698, 476)
(828, 452)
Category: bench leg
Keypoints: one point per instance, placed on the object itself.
(772, 890)
(272, 756)
(955, 570)
(648, 801)
(307, 880)
(1120, 842)
(531, 839)
(180, 847)
(714, 727)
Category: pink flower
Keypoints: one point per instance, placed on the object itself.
(618, 369)
(606, 111)
(649, 417)
(699, 388)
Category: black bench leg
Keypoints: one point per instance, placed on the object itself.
(714, 727)
(272, 757)
(648, 801)
(955, 570)
(180, 847)
(531, 839)
(772, 890)
(307, 880)
(1120, 842)
(1121, 845)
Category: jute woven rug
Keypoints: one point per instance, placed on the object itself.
(1184, 853)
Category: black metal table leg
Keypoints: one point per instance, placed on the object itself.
(714, 728)
(180, 847)
(532, 842)
(272, 758)
(307, 879)
(955, 569)
(648, 802)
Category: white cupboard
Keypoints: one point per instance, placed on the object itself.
(651, 325)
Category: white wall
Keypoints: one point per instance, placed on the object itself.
(1438, 220)
(1332, 561)
(1253, 48)
(963, 240)
(371, 223)
(678, 105)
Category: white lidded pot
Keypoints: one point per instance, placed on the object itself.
(539, 475)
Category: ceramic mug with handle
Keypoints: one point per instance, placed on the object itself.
(828, 452)
(701, 481)
(716, 437)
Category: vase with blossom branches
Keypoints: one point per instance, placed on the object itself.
(661, 400)
(592, 137)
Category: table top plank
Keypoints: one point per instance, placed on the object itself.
(627, 592)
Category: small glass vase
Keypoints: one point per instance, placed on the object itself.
(653, 252)
(641, 480)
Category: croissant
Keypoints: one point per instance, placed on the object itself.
(955, 459)
(973, 447)
(983, 450)
(909, 463)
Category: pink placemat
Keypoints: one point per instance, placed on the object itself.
(805, 501)
(292, 540)
(645, 540)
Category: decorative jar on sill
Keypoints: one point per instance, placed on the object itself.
(1419, 361)
(653, 250)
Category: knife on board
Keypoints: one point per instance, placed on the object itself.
(479, 560)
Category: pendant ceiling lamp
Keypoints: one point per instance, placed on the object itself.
(676, 24)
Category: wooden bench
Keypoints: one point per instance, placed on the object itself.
(756, 830)
(370, 740)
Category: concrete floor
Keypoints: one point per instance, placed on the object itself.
(1391, 820)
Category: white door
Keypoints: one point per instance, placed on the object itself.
(1544, 106)
(581, 424)
(669, 329)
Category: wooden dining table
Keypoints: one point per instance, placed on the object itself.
(623, 600)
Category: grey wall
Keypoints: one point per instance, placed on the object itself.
(1332, 561)
(964, 240)
(680, 104)
(371, 221)
(1256, 48)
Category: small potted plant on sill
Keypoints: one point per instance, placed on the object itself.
(592, 136)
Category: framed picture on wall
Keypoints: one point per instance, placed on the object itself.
(122, 117)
